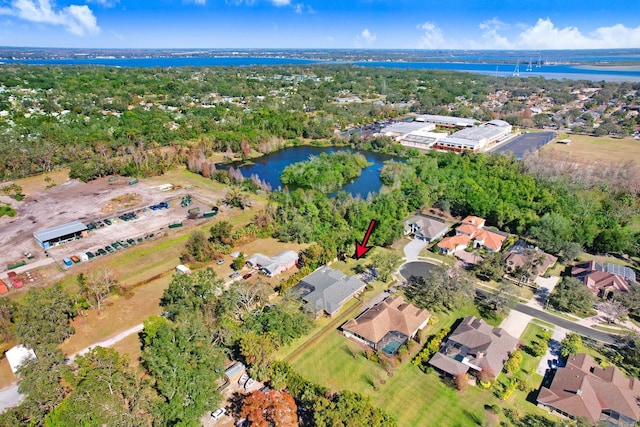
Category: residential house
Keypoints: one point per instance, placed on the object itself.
(272, 266)
(600, 395)
(526, 263)
(426, 228)
(474, 345)
(387, 325)
(604, 279)
(472, 229)
(326, 290)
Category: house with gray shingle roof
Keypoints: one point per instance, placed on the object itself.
(425, 227)
(326, 290)
(474, 345)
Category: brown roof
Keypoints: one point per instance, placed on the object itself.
(516, 260)
(392, 314)
(584, 389)
(479, 344)
(595, 279)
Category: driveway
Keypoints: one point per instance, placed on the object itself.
(545, 287)
(553, 352)
(515, 323)
(416, 268)
(413, 248)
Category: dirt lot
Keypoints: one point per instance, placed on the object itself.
(97, 200)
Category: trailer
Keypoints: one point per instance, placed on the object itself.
(175, 224)
(210, 214)
(193, 211)
(183, 269)
(133, 181)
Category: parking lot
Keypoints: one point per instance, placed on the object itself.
(526, 143)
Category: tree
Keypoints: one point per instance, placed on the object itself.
(239, 262)
(43, 317)
(351, 409)
(192, 293)
(41, 383)
(553, 231)
(630, 299)
(461, 381)
(491, 267)
(236, 198)
(97, 286)
(613, 309)
(572, 344)
(504, 295)
(106, 391)
(184, 367)
(250, 295)
(256, 350)
(513, 363)
(441, 289)
(221, 232)
(272, 408)
(197, 248)
(8, 309)
(385, 262)
(571, 296)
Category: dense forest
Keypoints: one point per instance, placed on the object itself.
(103, 120)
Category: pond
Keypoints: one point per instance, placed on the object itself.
(269, 167)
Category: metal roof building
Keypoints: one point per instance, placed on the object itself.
(59, 234)
(446, 120)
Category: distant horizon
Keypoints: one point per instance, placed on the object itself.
(197, 48)
(314, 24)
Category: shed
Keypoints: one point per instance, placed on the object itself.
(183, 269)
(17, 355)
(235, 371)
(60, 234)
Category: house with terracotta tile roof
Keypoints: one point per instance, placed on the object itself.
(474, 345)
(387, 325)
(474, 220)
(600, 395)
(450, 245)
(472, 229)
(603, 279)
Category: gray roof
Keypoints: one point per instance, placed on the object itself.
(448, 364)
(479, 344)
(59, 231)
(405, 127)
(478, 133)
(327, 289)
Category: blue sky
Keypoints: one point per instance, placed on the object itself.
(380, 24)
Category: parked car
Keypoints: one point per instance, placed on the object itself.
(249, 383)
(107, 221)
(243, 379)
(220, 262)
(247, 276)
(218, 413)
(234, 274)
(109, 249)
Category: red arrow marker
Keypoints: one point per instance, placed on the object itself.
(362, 248)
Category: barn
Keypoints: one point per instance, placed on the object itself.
(60, 234)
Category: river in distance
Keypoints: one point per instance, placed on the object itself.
(505, 66)
(270, 166)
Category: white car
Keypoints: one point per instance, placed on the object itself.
(243, 379)
(249, 383)
(218, 413)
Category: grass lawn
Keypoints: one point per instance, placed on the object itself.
(591, 148)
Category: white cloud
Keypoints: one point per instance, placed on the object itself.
(299, 8)
(281, 2)
(544, 34)
(78, 20)
(200, 2)
(432, 38)
(366, 37)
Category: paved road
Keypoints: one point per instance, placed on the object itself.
(559, 321)
(566, 324)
